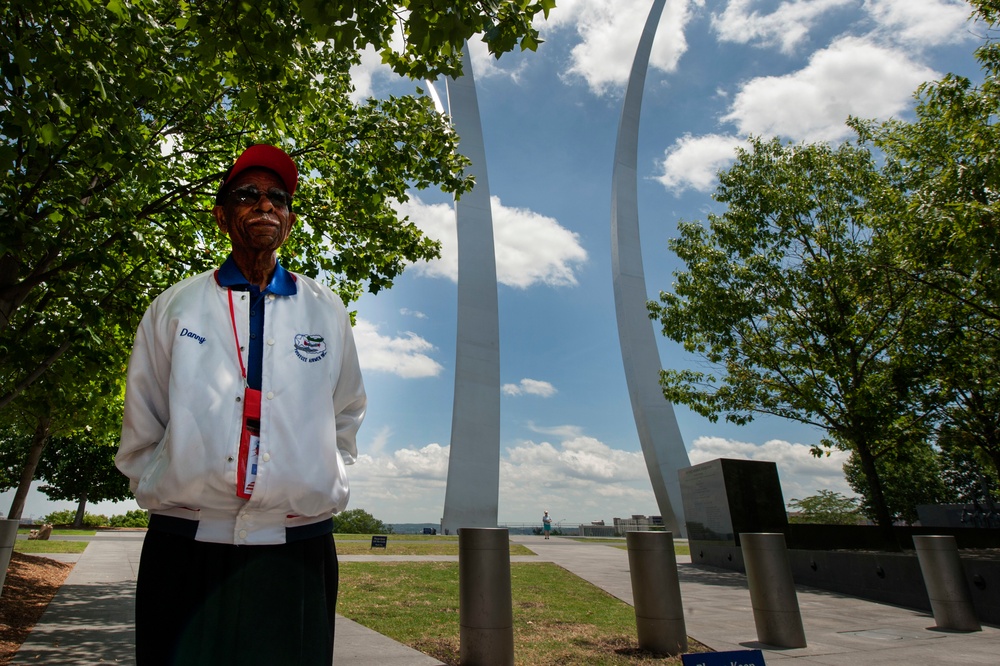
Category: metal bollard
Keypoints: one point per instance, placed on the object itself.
(772, 590)
(8, 535)
(656, 590)
(485, 610)
(944, 578)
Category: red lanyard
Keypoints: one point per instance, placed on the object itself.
(246, 468)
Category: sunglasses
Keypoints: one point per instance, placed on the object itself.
(250, 196)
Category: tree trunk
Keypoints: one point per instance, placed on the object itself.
(78, 520)
(38, 442)
(882, 516)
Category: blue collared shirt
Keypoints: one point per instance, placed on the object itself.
(282, 284)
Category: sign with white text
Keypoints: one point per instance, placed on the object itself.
(733, 658)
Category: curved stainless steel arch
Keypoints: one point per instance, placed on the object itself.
(472, 494)
(659, 435)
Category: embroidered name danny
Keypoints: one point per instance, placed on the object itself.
(310, 348)
(185, 333)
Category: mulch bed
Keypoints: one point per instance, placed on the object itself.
(30, 585)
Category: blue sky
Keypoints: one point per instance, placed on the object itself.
(720, 70)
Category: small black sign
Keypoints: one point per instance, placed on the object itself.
(734, 658)
(379, 541)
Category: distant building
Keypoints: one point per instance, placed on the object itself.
(597, 528)
(638, 523)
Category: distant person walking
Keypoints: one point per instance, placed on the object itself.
(547, 524)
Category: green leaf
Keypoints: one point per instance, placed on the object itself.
(49, 133)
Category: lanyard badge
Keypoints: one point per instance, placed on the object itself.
(246, 469)
(246, 466)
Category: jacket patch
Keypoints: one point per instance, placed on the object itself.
(185, 333)
(310, 348)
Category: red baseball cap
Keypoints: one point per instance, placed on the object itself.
(267, 157)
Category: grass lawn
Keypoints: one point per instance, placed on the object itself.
(558, 617)
(50, 546)
(53, 544)
(61, 532)
(359, 544)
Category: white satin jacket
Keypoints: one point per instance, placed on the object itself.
(183, 410)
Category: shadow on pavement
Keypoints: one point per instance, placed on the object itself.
(90, 624)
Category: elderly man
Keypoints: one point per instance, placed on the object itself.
(243, 399)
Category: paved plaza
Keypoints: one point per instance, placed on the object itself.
(90, 619)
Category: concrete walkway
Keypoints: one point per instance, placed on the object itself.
(840, 630)
(90, 620)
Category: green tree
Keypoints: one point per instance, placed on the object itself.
(910, 475)
(133, 518)
(782, 295)
(67, 517)
(825, 508)
(79, 395)
(117, 119)
(947, 159)
(948, 237)
(967, 472)
(970, 420)
(359, 521)
(82, 393)
(81, 468)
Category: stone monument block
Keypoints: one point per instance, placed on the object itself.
(724, 497)
(956, 515)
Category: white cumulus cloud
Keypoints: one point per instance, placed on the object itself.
(485, 65)
(609, 33)
(576, 477)
(693, 162)
(787, 26)
(378, 443)
(924, 23)
(801, 474)
(853, 76)
(566, 431)
(404, 486)
(363, 75)
(530, 248)
(406, 355)
(530, 387)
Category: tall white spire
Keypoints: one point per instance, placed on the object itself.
(472, 494)
(659, 435)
